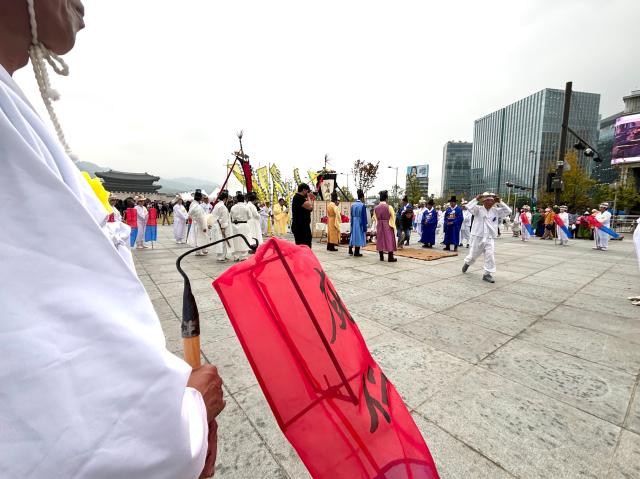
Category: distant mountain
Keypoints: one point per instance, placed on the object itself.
(90, 168)
(170, 186)
(178, 185)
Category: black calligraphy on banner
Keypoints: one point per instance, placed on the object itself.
(374, 405)
(337, 308)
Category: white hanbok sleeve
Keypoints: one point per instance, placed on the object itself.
(89, 390)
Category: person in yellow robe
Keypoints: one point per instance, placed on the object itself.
(280, 217)
(333, 223)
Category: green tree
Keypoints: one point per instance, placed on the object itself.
(365, 174)
(413, 191)
(344, 194)
(577, 184)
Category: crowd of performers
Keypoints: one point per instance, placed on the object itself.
(474, 224)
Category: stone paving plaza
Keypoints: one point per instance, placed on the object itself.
(535, 376)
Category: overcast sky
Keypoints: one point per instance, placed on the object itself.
(163, 85)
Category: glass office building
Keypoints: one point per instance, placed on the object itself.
(604, 172)
(519, 143)
(456, 168)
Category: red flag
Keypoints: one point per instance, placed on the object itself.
(152, 220)
(131, 217)
(332, 401)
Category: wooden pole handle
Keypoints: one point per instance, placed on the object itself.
(192, 351)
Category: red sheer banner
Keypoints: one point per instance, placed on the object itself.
(332, 401)
(152, 220)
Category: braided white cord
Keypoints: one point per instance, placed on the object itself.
(39, 54)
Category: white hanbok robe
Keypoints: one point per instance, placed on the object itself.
(254, 224)
(180, 216)
(525, 232)
(116, 214)
(562, 236)
(240, 216)
(89, 389)
(483, 232)
(602, 238)
(419, 212)
(199, 232)
(264, 220)
(220, 222)
(142, 214)
(465, 229)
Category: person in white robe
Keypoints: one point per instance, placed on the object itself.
(465, 229)
(199, 232)
(241, 213)
(255, 230)
(265, 214)
(564, 216)
(180, 216)
(220, 222)
(117, 217)
(602, 238)
(206, 205)
(142, 215)
(526, 210)
(422, 206)
(484, 231)
(89, 389)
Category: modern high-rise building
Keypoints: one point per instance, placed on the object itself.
(604, 172)
(456, 168)
(519, 143)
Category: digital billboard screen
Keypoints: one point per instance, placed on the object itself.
(626, 146)
(421, 171)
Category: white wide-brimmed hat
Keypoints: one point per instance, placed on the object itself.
(486, 195)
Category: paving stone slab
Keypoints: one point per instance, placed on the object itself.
(390, 311)
(453, 458)
(241, 451)
(527, 433)
(595, 389)
(255, 406)
(417, 370)
(633, 420)
(586, 344)
(626, 462)
(498, 318)
(227, 355)
(624, 328)
(517, 302)
(620, 307)
(461, 339)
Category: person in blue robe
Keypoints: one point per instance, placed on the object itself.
(429, 225)
(359, 215)
(453, 218)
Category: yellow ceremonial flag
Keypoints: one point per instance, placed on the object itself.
(262, 174)
(312, 176)
(237, 172)
(276, 179)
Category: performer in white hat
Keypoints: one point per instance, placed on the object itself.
(142, 214)
(180, 216)
(89, 389)
(484, 230)
(564, 216)
(602, 238)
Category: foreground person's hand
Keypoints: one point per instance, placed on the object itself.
(212, 451)
(208, 382)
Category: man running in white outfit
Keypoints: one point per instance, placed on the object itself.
(484, 230)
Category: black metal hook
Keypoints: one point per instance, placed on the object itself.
(190, 315)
